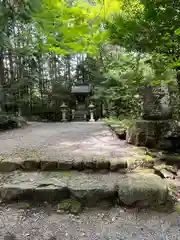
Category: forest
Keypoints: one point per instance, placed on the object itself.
(119, 46)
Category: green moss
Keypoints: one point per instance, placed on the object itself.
(139, 159)
(147, 158)
(70, 205)
(132, 161)
(76, 207)
(2, 158)
(67, 173)
(140, 150)
(121, 123)
(144, 171)
(23, 205)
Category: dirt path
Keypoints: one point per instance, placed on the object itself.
(114, 224)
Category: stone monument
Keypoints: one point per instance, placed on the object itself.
(156, 103)
(152, 130)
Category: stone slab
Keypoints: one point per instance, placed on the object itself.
(10, 164)
(88, 188)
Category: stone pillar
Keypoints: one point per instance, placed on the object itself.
(64, 112)
(91, 110)
(85, 116)
(156, 121)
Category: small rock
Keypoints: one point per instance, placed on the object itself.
(121, 211)
(60, 211)
(163, 172)
(113, 219)
(173, 169)
(167, 174)
(27, 234)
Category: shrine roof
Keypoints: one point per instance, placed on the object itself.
(81, 88)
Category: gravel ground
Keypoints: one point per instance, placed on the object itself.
(64, 141)
(116, 223)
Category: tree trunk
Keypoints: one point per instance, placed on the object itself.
(2, 75)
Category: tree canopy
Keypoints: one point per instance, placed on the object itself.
(153, 27)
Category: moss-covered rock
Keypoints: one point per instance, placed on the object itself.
(70, 205)
(143, 190)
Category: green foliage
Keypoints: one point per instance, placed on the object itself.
(121, 123)
(120, 88)
(74, 27)
(11, 121)
(153, 27)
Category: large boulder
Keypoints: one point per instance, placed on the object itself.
(142, 190)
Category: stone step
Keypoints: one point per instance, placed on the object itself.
(8, 164)
(79, 117)
(89, 189)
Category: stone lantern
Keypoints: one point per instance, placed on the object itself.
(19, 113)
(73, 113)
(64, 109)
(91, 109)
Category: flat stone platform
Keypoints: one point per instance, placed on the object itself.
(63, 146)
